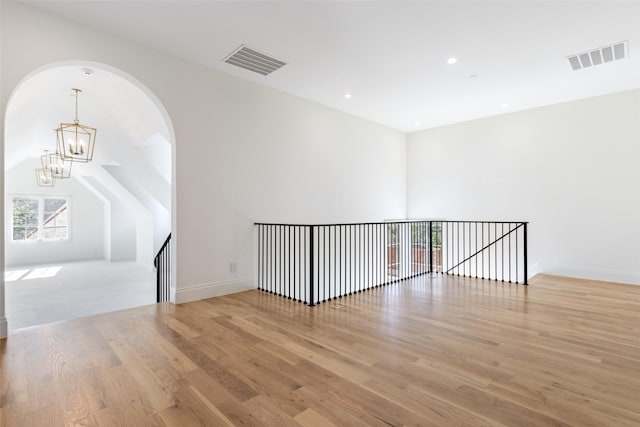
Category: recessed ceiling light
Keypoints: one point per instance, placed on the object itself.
(87, 71)
(418, 123)
(505, 105)
(452, 60)
(347, 95)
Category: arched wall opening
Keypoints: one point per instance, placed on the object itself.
(119, 205)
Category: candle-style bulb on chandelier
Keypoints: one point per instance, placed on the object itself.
(76, 141)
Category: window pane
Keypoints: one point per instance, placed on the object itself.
(32, 233)
(62, 233)
(53, 205)
(25, 211)
(53, 209)
(18, 233)
(57, 233)
(59, 219)
(23, 219)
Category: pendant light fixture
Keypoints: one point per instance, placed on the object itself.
(60, 168)
(44, 175)
(76, 141)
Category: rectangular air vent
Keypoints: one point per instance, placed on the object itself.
(252, 60)
(599, 56)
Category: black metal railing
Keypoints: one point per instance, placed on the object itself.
(162, 263)
(320, 262)
(495, 250)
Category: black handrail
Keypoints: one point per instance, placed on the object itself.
(162, 263)
(313, 263)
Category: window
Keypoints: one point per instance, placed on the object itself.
(40, 218)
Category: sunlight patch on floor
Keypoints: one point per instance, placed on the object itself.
(41, 273)
(10, 276)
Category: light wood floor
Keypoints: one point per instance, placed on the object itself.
(429, 352)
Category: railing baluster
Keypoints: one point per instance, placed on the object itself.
(350, 252)
(517, 262)
(475, 226)
(502, 253)
(509, 227)
(496, 251)
(289, 252)
(458, 248)
(327, 263)
(378, 274)
(489, 253)
(464, 249)
(482, 246)
(303, 282)
(276, 259)
(369, 260)
(526, 260)
(311, 258)
(335, 264)
(299, 263)
(340, 262)
(367, 264)
(445, 269)
(406, 259)
(360, 265)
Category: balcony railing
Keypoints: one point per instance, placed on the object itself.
(320, 262)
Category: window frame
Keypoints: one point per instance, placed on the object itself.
(41, 199)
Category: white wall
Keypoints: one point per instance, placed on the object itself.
(157, 215)
(122, 220)
(572, 170)
(243, 152)
(86, 213)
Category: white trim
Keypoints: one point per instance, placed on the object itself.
(210, 290)
(604, 275)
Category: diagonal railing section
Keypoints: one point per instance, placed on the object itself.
(162, 263)
(313, 263)
(494, 250)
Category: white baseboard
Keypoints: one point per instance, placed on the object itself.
(209, 290)
(4, 328)
(615, 276)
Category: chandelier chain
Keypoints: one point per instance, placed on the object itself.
(76, 91)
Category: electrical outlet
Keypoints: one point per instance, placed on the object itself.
(233, 267)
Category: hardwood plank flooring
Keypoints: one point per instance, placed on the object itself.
(426, 352)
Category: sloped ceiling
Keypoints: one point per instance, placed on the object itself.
(125, 117)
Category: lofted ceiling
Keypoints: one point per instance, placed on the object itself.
(392, 56)
(128, 122)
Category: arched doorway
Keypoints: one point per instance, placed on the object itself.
(110, 216)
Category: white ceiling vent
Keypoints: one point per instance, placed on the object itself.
(252, 60)
(599, 56)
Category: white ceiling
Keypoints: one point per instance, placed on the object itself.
(392, 56)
